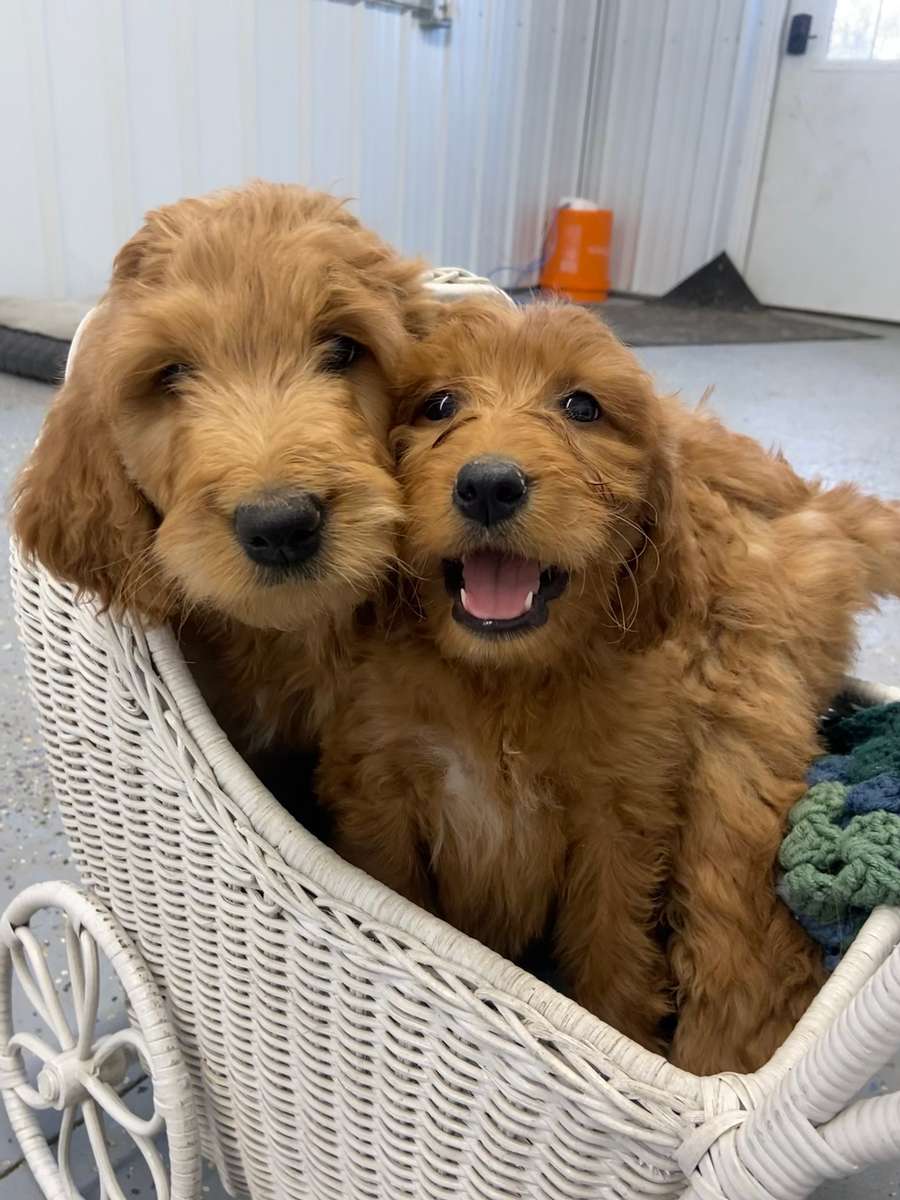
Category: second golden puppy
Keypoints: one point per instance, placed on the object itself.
(629, 620)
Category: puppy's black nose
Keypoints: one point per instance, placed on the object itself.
(490, 490)
(282, 531)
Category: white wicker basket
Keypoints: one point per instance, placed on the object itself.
(342, 1044)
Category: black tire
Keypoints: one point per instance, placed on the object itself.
(32, 355)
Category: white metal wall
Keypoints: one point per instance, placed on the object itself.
(677, 129)
(455, 142)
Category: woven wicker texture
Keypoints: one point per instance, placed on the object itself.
(341, 1043)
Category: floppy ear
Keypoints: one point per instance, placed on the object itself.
(663, 583)
(74, 508)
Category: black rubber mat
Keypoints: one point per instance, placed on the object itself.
(33, 355)
(665, 323)
(658, 323)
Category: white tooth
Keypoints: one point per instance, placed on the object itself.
(529, 599)
(463, 600)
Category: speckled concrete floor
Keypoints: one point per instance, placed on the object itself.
(834, 407)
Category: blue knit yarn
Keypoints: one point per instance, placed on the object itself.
(840, 857)
(880, 792)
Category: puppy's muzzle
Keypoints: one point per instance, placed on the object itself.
(282, 531)
(490, 490)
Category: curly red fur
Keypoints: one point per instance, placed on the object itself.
(629, 764)
(131, 490)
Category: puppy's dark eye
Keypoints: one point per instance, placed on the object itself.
(341, 353)
(172, 376)
(581, 406)
(439, 407)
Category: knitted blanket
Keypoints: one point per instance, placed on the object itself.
(841, 856)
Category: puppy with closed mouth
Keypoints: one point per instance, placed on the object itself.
(218, 456)
(622, 621)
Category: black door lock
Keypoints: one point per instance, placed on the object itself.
(798, 33)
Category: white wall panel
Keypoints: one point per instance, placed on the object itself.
(541, 111)
(503, 75)
(674, 146)
(279, 35)
(31, 231)
(468, 94)
(385, 88)
(334, 95)
(681, 97)
(82, 44)
(224, 90)
(158, 119)
(453, 143)
(420, 158)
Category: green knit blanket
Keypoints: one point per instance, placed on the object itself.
(841, 856)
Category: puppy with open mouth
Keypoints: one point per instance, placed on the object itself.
(489, 761)
(623, 620)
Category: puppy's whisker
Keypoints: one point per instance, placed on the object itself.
(101, 567)
(636, 602)
(654, 512)
(406, 568)
(149, 573)
(353, 584)
(646, 540)
(186, 614)
(138, 576)
(620, 623)
(142, 565)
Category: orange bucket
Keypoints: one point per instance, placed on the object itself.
(578, 263)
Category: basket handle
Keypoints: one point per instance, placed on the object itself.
(802, 1134)
(844, 1059)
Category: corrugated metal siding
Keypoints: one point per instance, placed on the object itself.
(455, 142)
(671, 144)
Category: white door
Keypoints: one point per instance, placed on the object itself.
(827, 231)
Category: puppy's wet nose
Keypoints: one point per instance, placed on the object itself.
(490, 490)
(282, 531)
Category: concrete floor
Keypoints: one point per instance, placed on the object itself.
(834, 407)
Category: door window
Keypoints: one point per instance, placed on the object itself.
(865, 31)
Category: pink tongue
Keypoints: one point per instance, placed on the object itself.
(496, 588)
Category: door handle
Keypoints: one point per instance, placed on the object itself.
(799, 36)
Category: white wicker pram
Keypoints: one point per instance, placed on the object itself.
(316, 1036)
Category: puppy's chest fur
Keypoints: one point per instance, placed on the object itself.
(495, 830)
(507, 785)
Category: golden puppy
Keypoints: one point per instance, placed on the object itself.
(218, 456)
(629, 620)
